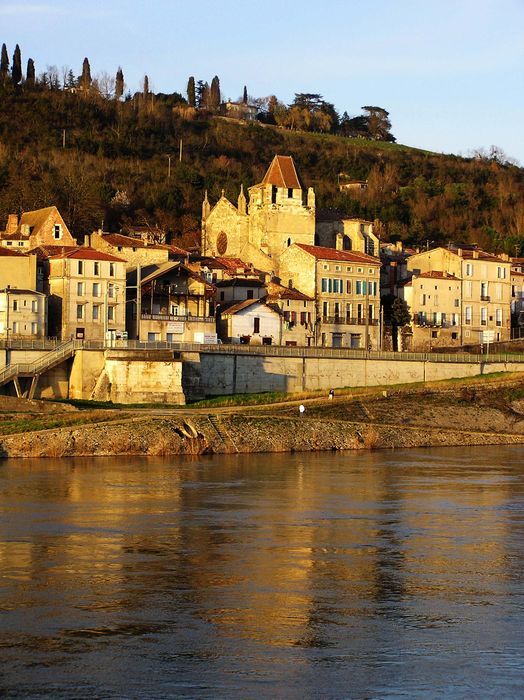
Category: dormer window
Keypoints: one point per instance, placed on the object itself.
(57, 232)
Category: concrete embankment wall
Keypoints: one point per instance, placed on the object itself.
(154, 376)
(126, 377)
(237, 374)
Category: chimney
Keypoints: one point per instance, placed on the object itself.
(12, 223)
(87, 240)
(459, 252)
(475, 255)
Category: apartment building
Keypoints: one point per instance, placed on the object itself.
(87, 294)
(434, 301)
(346, 289)
(485, 290)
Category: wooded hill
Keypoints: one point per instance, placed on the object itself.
(111, 162)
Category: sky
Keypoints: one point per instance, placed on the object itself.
(450, 72)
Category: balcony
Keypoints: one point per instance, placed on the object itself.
(172, 317)
(349, 321)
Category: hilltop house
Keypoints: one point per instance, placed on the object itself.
(36, 228)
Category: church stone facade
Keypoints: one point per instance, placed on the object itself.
(280, 212)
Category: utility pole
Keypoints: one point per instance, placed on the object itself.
(169, 167)
(180, 151)
(63, 138)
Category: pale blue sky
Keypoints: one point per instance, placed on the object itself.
(450, 72)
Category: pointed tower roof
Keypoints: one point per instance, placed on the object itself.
(282, 173)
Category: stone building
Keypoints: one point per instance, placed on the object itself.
(23, 314)
(36, 228)
(297, 314)
(173, 304)
(252, 321)
(280, 212)
(87, 294)
(135, 251)
(434, 301)
(345, 286)
(485, 289)
(17, 269)
(334, 230)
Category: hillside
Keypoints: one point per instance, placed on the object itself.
(107, 162)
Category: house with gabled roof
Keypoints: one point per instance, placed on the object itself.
(34, 228)
(136, 251)
(297, 313)
(346, 289)
(252, 321)
(169, 302)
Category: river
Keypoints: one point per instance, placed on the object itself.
(325, 575)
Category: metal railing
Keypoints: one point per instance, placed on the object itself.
(350, 321)
(173, 317)
(49, 360)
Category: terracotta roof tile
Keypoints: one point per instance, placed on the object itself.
(10, 252)
(323, 253)
(282, 173)
(278, 291)
(84, 253)
(118, 239)
(437, 274)
(44, 252)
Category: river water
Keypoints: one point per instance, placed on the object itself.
(327, 575)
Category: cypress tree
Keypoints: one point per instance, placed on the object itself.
(4, 65)
(146, 86)
(85, 79)
(199, 92)
(244, 98)
(191, 95)
(204, 96)
(214, 94)
(119, 84)
(30, 74)
(16, 70)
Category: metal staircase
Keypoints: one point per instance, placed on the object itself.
(35, 369)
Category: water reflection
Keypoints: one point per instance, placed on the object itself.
(284, 575)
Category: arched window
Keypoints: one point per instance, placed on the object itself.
(346, 243)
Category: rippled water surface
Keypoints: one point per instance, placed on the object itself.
(380, 575)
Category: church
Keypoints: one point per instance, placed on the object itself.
(280, 212)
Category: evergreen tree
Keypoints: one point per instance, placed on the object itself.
(70, 81)
(204, 99)
(30, 79)
(191, 95)
(146, 87)
(244, 98)
(214, 94)
(16, 70)
(119, 84)
(199, 92)
(85, 79)
(4, 65)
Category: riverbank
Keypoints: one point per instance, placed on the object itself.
(448, 414)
